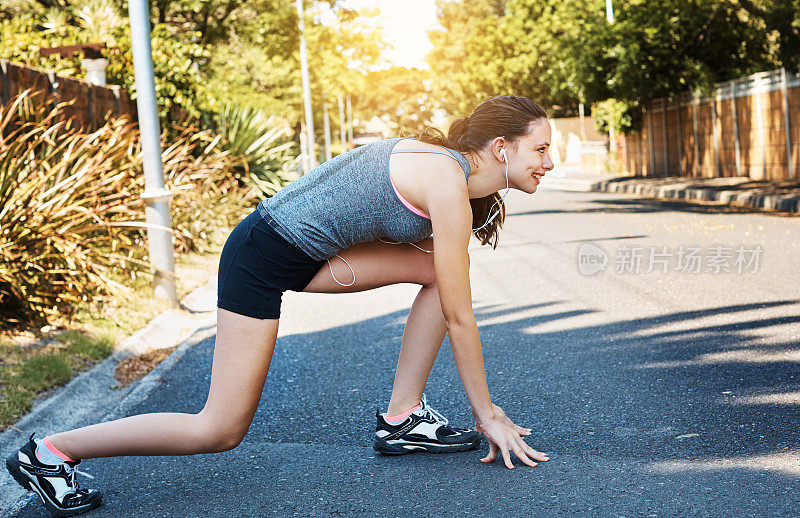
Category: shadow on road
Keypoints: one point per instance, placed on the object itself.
(657, 389)
(610, 204)
(670, 415)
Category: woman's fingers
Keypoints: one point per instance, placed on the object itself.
(492, 453)
(520, 453)
(508, 440)
(530, 452)
(507, 458)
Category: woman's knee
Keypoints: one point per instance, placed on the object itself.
(217, 433)
(427, 271)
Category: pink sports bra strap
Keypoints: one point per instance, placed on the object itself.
(425, 151)
(438, 152)
(406, 203)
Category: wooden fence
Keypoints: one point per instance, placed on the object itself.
(92, 103)
(749, 128)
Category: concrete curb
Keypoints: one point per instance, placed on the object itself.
(172, 326)
(93, 396)
(680, 190)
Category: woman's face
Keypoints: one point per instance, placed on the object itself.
(529, 160)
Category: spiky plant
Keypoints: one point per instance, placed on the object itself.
(71, 215)
(64, 195)
(98, 17)
(263, 142)
(207, 194)
(55, 21)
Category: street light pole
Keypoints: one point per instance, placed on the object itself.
(155, 196)
(609, 11)
(612, 131)
(312, 159)
(342, 124)
(349, 119)
(327, 127)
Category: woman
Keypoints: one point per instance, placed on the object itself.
(399, 189)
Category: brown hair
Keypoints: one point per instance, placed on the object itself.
(508, 116)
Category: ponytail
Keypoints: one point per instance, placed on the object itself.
(505, 115)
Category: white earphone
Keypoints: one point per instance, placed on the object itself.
(488, 220)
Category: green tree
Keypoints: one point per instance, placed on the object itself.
(564, 52)
(662, 47)
(179, 83)
(463, 63)
(402, 97)
(781, 19)
(260, 64)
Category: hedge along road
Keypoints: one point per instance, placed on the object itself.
(654, 394)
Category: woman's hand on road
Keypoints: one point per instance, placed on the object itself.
(503, 437)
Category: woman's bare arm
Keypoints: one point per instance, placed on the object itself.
(451, 217)
(447, 202)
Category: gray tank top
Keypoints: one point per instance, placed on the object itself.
(349, 199)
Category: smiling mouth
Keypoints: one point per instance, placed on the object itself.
(538, 176)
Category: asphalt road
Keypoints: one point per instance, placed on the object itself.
(654, 394)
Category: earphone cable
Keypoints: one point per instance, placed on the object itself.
(489, 220)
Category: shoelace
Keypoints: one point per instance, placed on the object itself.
(430, 411)
(72, 471)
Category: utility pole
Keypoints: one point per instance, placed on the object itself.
(303, 149)
(155, 196)
(609, 11)
(349, 119)
(342, 124)
(312, 159)
(612, 130)
(327, 125)
(582, 115)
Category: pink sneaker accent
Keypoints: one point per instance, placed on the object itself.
(55, 450)
(401, 416)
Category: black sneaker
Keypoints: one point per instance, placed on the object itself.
(424, 430)
(55, 484)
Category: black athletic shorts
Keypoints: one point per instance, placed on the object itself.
(257, 265)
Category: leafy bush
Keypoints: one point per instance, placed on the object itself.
(70, 207)
(61, 192)
(180, 87)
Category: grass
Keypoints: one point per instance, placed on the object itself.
(29, 371)
(30, 368)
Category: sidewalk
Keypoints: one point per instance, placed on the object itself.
(741, 192)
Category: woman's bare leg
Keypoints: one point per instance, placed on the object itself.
(422, 337)
(242, 355)
(380, 264)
